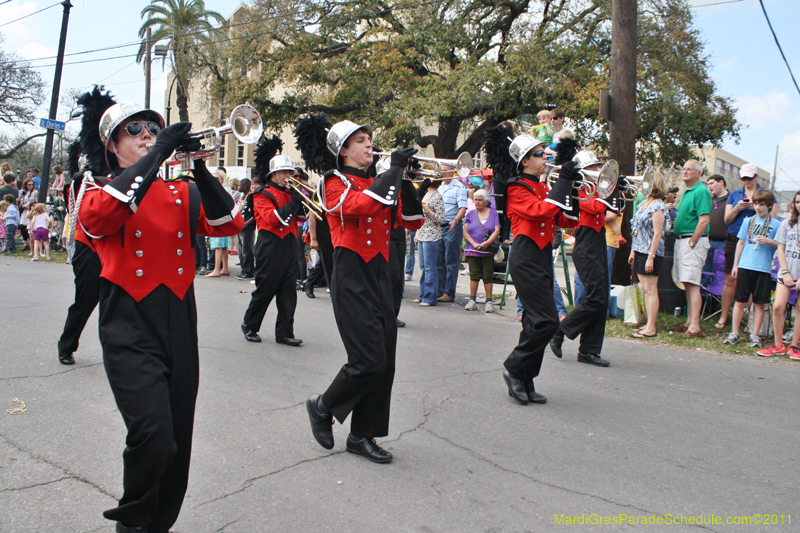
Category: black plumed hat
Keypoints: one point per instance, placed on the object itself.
(496, 142)
(94, 103)
(267, 149)
(566, 150)
(311, 133)
(73, 158)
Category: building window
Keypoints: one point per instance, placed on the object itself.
(221, 155)
(240, 155)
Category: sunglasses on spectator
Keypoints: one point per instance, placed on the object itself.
(135, 129)
(556, 118)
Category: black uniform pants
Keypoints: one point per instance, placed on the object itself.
(589, 318)
(324, 266)
(397, 258)
(151, 359)
(246, 241)
(86, 268)
(302, 266)
(276, 277)
(532, 269)
(364, 311)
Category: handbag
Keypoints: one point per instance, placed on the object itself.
(492, 248)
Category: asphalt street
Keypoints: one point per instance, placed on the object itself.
(662, 433)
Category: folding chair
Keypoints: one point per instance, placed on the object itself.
(713, 292)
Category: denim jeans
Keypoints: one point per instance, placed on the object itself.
(11, 245)
(429, 277)
(448, 260)
(580, 290)
(410, 257)
(200, 253)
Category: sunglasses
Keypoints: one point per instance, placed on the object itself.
(135, 129)
(748, 178)
(537, 153)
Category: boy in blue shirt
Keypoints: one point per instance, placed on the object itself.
(12, 222)
(752, 265)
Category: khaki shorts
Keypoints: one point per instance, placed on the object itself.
(688, 262)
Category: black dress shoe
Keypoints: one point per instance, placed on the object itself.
(289, 341)
(592, 359)
(516, 388)
(320, 424)
(556, 342)
(249, 334)
(65, 358)
(126, 529)
(369, 449)
(400, 323)
(533, 396)
(309, 289)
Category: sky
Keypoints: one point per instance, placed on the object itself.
(744, 62)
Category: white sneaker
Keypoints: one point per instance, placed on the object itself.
(732, 338)
(755, 341)
(489, 307)
(471, 305)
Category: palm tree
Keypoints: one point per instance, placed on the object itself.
(184, 24)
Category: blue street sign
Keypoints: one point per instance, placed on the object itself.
(52, 124)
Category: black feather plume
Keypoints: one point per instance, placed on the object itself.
(565, 150)
(495, 145)
(94, 103)
(311, 133)
(267, 149)
(73, 157)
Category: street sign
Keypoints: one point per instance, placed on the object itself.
(52, 124)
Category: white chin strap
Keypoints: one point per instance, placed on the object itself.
(119, 157)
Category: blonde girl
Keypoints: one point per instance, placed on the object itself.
(39, 222)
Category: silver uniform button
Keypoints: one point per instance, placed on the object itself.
(542, 234)
(391, 187)
(387, 243)
(129, 193)
(171, 187)
(137, 234)
(178, 202)
(139, 273)
(369, 219)
(179, 252)
(174, 192)
(134, 185)
(369, 231)
(385, 221)
(542, 224)
(138, 179)
(180, 271)
(369, 243)
(180, 234)
(139, 253)
(387, 232)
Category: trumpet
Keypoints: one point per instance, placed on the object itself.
(435, 167)
(600, 183)
(643, 183)
(312, 202)
(244, 123)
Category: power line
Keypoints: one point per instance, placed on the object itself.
(779, 45)
(30, 15)
(718, 3)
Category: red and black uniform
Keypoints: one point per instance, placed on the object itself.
(533, 222)
(143, 229)
(276, 215)
(588, 319)
(359, 212)
(86, 269)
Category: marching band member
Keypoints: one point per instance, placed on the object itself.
(588, 319)
(144, 229)
(358, 210)
(277, 210)
(533, 220)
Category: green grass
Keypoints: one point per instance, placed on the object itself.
(667, 335)
(58, 257)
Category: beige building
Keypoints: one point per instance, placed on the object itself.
(719, 161)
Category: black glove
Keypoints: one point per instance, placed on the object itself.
(170, 138)
(189, 145)
(400, 157)
(570, 171)
(296, 201)
(217, 203)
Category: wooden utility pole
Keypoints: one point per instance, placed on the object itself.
(622, 131)
(147, 69)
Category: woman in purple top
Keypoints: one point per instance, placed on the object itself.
(481, 228)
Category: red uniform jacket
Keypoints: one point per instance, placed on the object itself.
(361, 223)
(530, 215)
(266, 214)
(153, 246)
(593, 213)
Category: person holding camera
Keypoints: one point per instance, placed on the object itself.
(481, 231)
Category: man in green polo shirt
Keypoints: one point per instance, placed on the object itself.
(691, 243)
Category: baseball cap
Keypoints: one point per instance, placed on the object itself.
(749, 170)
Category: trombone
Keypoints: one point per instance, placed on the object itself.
(435, 167)
(244, 123)
(311, 203)
(643, 183)
(600, 183)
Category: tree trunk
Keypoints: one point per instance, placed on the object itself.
(444, 146)
(182, 100)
